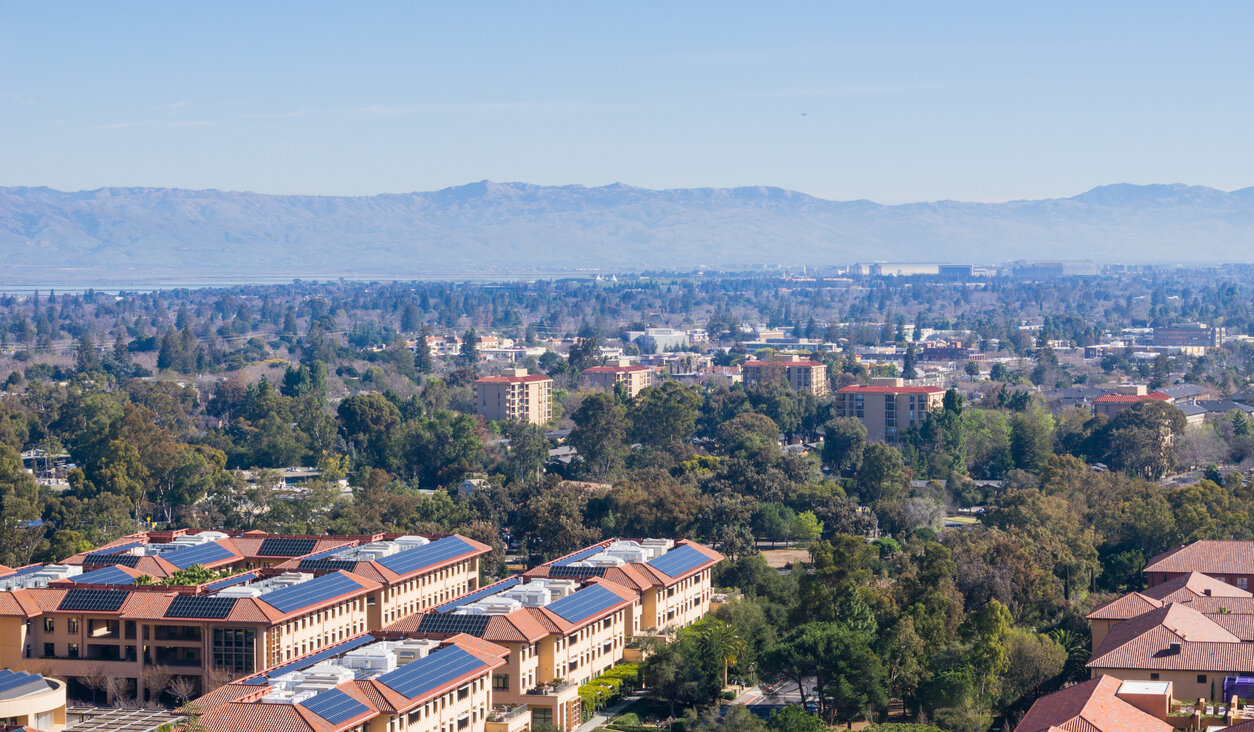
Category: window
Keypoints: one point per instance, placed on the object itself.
(72, 625)
(500, 682)
(233, 649)
(50, 650)
(1243, 582)
(1153, 677)
(50, 625)
(73, 650)
(1201, 678)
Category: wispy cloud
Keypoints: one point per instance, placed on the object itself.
(19, 99)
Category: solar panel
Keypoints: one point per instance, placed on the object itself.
(452, 624)
(578, 556)
(201, 554)
(584, 604)
(491, 589)
(679, 561)
(10, 680)
(200, 606)
(310, 592)
(106, 576)
(440, 550)
(106, 560)
(23, 571)
(334, 706)
(235, 580)
(329, 552)
(118, 548)
(426, 674)
(580, 572)
(347, 565)
(306, 662)
(103, 601)
(280, 547)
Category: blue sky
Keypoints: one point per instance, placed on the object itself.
(892, 101)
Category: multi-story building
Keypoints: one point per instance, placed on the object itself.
(637, 378)
(31, 702)
(1102, 704)
(516, 395)
(1125, 396)
(276, 598)
(366, 684)
(887, 407)
(798, 372)
(1195, 335)
(1231, 562)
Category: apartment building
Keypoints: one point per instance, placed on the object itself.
(558, 633)
(798, 372)
(366, 684)
(1102, 704)
(637, 378)
(887, 407)
(89, 618)
(1231, 562)
(1195, 335)
(1125, 396)
(515, 395)
(672, 579)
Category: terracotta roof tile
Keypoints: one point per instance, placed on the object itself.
(1208, 557)
(1089, 707)
(855, 389)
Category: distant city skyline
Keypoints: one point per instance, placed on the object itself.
(909, 102)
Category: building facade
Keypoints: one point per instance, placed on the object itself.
(801, 374)
(1194, 335)
(515, 396)
(887, 407)
(637, 378)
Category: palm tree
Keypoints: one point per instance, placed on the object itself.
(719, 640)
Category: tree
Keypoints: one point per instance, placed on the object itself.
(600, 427)
(720, 641)
(469, 353)
(528, 451)
(422, 353)
(882, 475)
(665, 415)
(794, 719)
(988, 631)
(1031, 438)
(1032, 660)
(844, 440)
(843, 673)
(909, 363)
(751, 436)
(369, 422)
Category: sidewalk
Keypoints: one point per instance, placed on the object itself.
(603, 717)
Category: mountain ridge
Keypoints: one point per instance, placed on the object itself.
(501, 227)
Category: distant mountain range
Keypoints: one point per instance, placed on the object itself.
(514, 228)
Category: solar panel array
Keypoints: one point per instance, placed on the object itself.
(100, 559)
(679, 561)
(426, 674)
(440, 550)
(329, 552)
(578, 556)
(579, 572)
(584, 603)
(10, 680)
(479, 594)
(334, 706)
(106, 576)
(201, 606)
(201, 554)
(23, 571)
(310, 592)
(103, 601)
(235, 580)
(452, 624)
(281, 547)
(333, 565)
(306, 662)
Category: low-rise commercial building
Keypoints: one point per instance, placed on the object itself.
(516, 395)
(1125, 396)
(887, 407)
(31, 701)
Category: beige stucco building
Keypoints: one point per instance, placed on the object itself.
(887, 407)
(31, 701)
(798, 372)
(637, 378)
(517, 396)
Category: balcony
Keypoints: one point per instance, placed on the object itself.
(508, 712)
(552, 688)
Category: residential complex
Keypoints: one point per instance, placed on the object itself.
(887, 407)
(503, 658)
(1125, 396)
(516, 395)
(637, 378)
(798, 372)
(276, 598)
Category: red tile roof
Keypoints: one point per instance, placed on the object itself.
(1089, 707)
(1146, 642)
(856, 389)
(615, 369)
(1132, 398)
(1209, 557)
(512, 379)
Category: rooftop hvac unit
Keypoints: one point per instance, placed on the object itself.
(499, 606)
(412, 650)
(240, 591)
(376, 658)
(527, 596)
(562, 588)
(607, 560)
(410, 542)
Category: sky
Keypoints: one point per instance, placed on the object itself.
(889, 101)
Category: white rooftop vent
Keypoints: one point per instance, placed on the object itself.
(375, 658)
(410, 542)
(413, 649)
